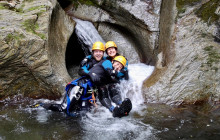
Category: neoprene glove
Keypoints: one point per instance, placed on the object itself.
(83, 62)
(113, 75)
(125, 72)
(112, 72)
(94, 77)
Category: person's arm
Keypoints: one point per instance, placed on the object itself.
(84, 66)
(123, 74)
(107, 65)
(126, 65)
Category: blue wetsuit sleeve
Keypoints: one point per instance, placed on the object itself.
(120, 75)
(85, 69)
(84, 66)
(126, 66)
(107, 65)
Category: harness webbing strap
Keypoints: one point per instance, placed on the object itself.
(93, 100)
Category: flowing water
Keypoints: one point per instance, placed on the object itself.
(87, 35)
(145, 121)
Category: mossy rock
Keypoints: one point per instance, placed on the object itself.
(181, 4)
(207, 11)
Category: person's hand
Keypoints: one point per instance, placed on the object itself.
(112, 72)
(84, 61)
(125, 72)
(94, 77)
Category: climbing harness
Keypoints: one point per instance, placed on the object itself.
(87, 89)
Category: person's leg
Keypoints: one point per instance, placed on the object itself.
(71, 98)
(53, 107)
(115, 94)
(123, 109)
(104, 98)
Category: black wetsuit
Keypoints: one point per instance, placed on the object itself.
(105, 81)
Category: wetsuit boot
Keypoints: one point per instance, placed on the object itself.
(123, 109)
(53, 107)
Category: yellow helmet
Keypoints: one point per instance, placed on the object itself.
(120, 59)
(98, 46)
(110, 44)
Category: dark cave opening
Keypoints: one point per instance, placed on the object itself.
(64, 3)
(74, 55)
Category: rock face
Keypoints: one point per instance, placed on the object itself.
(179, 39)
(138, 21)
(29, 64)
(189, 69)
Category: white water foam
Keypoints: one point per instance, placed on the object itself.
(132, 88)
(87, 33)
(100, 121)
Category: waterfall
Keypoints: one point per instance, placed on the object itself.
(87, 35)
(133, 87)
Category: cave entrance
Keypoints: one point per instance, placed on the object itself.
(74, 55)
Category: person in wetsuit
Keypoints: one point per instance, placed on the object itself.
(72, 98)
(104, 75)
(111, 50)
(101, 73)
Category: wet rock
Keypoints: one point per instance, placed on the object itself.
(26, 66)
(139, 19)
(191, 74)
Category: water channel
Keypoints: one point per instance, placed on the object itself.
(145, 121)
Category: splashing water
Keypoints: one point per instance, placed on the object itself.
(101, 122)
(87, 34)
(132, 88)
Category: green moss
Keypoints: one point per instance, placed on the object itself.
(28, 0)
(14, 36)
(20, 10)
(41, 12)
(213, 56)
(42, 36)
(207, 11)
(31, 26)
(204, 35)
(2, 7)
(36, 7)
(180, 4)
